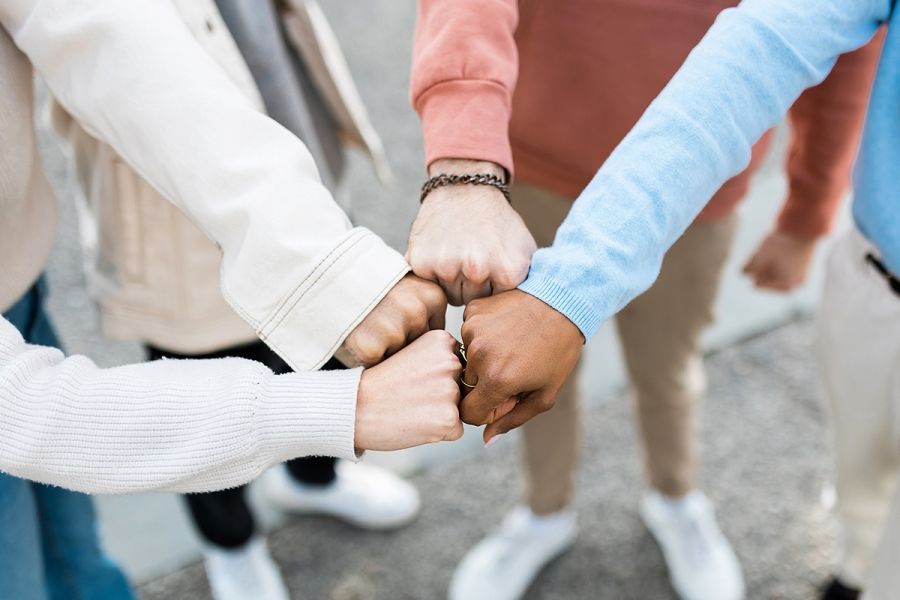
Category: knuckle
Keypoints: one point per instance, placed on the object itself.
(432, 294)
(494, 375)
(545, 404)
(455, 432)
(438, 340)
(476, 270)
(416, 314)
(446, 270)
(508, 279)
(468, 416)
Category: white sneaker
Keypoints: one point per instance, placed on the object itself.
(702, 564)
(363, 495)
(243, 573)
(503, 565)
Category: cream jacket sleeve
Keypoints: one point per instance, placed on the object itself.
(131, 73)
(186, 426)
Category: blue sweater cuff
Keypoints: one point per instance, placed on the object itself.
(561, 298)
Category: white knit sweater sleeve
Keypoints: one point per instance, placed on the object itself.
(186, 426)
(133, 76)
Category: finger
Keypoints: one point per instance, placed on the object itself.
(503, 410)
(436, 306)
(749, 266)
(438, 318)
(472, 308)
(473, 290)
(479, 403)
(389, 336)
(776, 284)
(767, 277)
(453, 290)
(523, 412)
(466, 384)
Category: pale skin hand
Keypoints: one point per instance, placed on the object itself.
(411, 398)
(468, 238)
(411, 308)
(782, 261)
(520, 352)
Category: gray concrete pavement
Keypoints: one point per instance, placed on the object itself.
(151, 534)
(765, 455)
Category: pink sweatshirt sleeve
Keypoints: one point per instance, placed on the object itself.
(826, 124)
(464, 70)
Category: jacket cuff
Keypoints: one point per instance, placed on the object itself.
(306, 414)
(467, 120)
(570, 304)
(314, 319)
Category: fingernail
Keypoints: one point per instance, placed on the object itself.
(494, 440)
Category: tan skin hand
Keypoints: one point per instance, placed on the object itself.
(411, 308)
(520, 352)
(411, 398)
(782, 261)
(468, 238)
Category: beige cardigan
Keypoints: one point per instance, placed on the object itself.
(154, 273)
(293, 267)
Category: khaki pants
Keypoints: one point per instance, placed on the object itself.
(660, 332)
(858, 346)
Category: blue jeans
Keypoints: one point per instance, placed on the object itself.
(49, 548)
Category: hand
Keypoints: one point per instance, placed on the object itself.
(520, 352)
(468, 238)
(411, 398)
(411, 308)
(781, 262)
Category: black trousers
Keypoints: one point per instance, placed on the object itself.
(223, 518)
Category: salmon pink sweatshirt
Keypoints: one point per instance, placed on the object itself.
(548, 88)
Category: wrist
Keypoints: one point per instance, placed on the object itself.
(804, 238)
(461, 166)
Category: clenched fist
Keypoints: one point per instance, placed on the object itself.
(412, 307)
(468, 238)
(411, 398)
(520, 352)
(781, 262)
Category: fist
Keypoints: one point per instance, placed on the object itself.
(412, 307)
(411, 398)
(520, 352)
(781, 262)
(469, 239)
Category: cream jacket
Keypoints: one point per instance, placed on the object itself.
(292, 265)
(132, 74)
(154, 273)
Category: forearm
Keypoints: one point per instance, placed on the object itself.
(133, 76)
(464, 70)
(826, 122)
(186, 426)
(743, 76)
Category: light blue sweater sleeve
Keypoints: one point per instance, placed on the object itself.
(738, 82)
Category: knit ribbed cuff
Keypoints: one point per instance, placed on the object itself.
(570, 304)
(467, 120)
(308, 414)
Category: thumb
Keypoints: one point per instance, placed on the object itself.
(523, 412)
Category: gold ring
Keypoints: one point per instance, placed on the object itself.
(462, 380)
